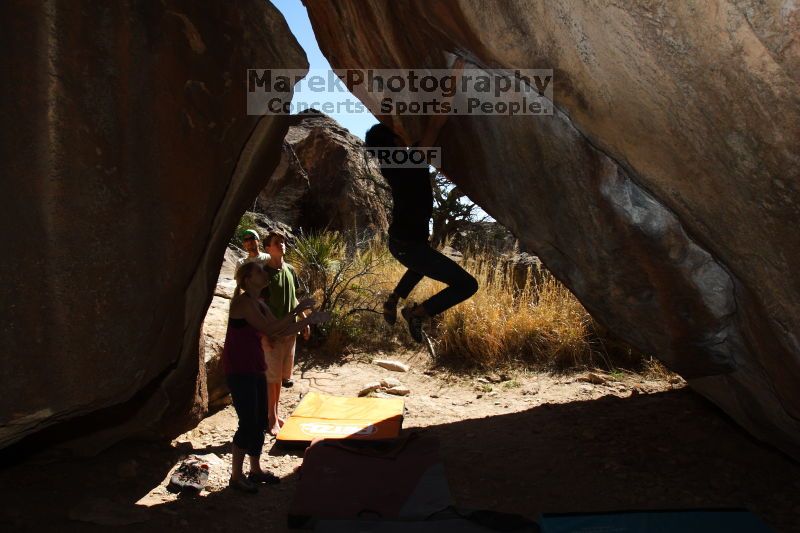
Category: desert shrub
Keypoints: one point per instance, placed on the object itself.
(318, 257)
(541, 325)
(347, 275)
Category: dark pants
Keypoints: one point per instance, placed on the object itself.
(249, 395)
(423, 261)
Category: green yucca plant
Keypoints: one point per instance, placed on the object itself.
(343, 268)
(317, 256)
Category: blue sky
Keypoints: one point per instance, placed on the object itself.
(297, 18)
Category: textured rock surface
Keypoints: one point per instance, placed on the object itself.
(324, 180)
(128, 164)
(215, 325)
(265, 224)
(524, 268)
(663, 191)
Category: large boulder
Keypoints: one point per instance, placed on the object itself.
(127, 162)
(324, 180)
(214, 328)
(663, 190)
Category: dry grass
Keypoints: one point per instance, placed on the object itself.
(541, 325)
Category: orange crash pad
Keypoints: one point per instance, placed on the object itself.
(335, 417)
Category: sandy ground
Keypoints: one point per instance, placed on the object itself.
(529, 444)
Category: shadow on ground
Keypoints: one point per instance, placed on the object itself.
(663, 450)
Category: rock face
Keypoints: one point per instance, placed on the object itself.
(663, 190)
(524, 269)
(264, 225)
(214, 327)
(324, 180)
(130, 160)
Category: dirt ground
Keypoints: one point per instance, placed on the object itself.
(530, 443)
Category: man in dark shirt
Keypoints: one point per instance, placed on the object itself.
(412, 208)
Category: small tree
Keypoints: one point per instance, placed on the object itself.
(453, 211)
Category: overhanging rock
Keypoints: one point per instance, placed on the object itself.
(664, 189)
(127, 167)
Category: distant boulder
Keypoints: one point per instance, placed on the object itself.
(324, 180)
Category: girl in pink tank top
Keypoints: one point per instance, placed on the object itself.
(245, 368)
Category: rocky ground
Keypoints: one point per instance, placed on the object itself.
(521, 443)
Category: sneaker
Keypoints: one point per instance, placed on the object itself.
(243, 485)
(287, 383)
(268, 478)
(414, 323)
(191, 474)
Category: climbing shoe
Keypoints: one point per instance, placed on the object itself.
(414, 322)
(390, 311)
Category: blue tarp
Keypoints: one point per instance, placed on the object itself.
(699, 521)
(695, 521)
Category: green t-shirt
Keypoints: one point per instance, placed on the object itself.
(281, 293)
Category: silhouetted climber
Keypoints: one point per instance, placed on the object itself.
(409, 233)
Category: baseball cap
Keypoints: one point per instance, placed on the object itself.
(250, 233)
